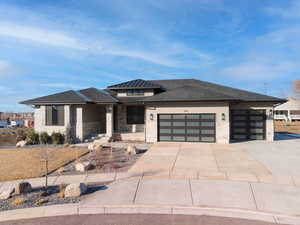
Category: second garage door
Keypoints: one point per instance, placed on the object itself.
(248, 124)
(187, 127)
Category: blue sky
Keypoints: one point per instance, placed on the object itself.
(54, 45)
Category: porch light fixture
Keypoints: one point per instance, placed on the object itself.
(223, 116)
(151, 116)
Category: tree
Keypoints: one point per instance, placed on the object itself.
(45, 157)
(296, 88)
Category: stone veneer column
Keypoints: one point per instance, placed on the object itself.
(109, 120)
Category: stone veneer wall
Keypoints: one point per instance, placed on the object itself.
(122, 125)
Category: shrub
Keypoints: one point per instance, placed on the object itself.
(33, 138)
(18, 201)
(45, 138)
(57, 138)
(21, 135)
(70, 137)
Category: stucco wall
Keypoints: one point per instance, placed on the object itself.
(123, 93)
(222, 126)
(40, 121)
(258, 105)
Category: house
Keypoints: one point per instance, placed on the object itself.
(289, 111)
(183, 110)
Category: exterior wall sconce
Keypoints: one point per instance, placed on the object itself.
(151, 116)
(223, 116)
(271, 113)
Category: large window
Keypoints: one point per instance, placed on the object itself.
(135, 114)
(55, 115)
(135, 92)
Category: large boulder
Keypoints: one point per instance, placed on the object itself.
(131, 150)
(21, 143)
(97, 144)
(83, 166)
(23, 187)
(5, 194)
(75, 190)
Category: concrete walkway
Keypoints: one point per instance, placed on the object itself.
(234, 162)
(247, 200)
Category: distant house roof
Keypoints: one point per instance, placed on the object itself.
(180, 90)
(135, 84)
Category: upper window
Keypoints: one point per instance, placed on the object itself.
(135, 92)
(135, 114)
(55, 115)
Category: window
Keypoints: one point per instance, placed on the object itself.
(55, 115)
(135, 92)
(135, 114)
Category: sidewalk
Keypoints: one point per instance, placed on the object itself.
(247, 200)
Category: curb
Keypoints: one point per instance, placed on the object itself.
(76, 209)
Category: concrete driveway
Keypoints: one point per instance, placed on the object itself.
(259, 161)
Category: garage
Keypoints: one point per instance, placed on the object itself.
(248, 125)
(187, 127)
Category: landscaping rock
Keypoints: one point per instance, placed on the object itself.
(83, 166)
(6, 194)
(75, 190)
(21, 144)
(131, 150)
(23, 187)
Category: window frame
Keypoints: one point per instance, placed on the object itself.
(139, 114)
(135, 92)
(54, 115)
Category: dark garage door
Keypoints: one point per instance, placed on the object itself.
(248, 124)
(187, 127)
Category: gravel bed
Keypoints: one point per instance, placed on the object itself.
(30, 199)
(104, 161)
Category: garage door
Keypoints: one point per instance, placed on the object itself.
(248, 124)
(187, 127)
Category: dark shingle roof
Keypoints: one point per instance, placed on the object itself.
(71, 97)
(169, 90)
(85, 96)
(193, 90)
(135, 84)
(98, 96)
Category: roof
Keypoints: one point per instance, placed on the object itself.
(84, 96)
(135, 84)
(98, 96)
(196, 90)
(291, 104)
(71, 97)
(166, 91)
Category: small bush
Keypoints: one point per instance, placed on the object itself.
(21, 135)
(18, 201)
(70, 137)
(33, 138)
(45, 138)
(57, 138)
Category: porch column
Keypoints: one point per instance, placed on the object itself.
(109, 120)
(79, 123)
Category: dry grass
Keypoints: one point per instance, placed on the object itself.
(290, 127)
(26, 163)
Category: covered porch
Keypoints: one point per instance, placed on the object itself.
(123, 122)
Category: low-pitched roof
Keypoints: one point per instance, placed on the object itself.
(196, 90)
(135, 84)
(84, 96)
(180, 90)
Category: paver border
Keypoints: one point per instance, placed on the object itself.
(76, 209)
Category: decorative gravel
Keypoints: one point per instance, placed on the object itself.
(30, 199)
